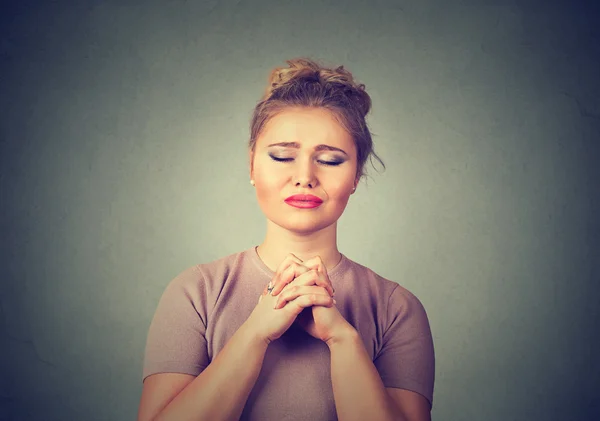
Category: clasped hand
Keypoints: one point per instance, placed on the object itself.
(302, 292)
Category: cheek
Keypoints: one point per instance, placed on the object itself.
(267, 179)
(268, 185)
(340, 186)
(338, 192)
(264, 193)
(266, 173)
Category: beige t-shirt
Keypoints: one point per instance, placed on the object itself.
(205, 305)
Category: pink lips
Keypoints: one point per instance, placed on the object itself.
(303, 201)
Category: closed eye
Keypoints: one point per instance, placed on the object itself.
(280, 159)
(331, 163)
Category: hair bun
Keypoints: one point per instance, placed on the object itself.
(303, 71)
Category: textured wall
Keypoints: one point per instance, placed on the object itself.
(122, 139)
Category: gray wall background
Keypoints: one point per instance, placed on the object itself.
(123, 162)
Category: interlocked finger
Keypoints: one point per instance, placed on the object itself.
(317, 264)
(310, 278)
(314, 294)
(311, 300)
(291, 272)
(290, 259)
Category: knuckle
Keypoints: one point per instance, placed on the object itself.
(286, 274)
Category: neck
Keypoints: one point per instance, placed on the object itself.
(279, 242)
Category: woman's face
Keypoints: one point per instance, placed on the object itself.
(320, 159)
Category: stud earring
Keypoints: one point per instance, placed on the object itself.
(252, 182)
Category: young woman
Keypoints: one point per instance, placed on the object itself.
(292, 329)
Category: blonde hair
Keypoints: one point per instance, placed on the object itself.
(307, 83)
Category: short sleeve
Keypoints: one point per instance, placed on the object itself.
(406, 359)
(176, 337)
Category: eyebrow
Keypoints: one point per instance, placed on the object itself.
(296, 145)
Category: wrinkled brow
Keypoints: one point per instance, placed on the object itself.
(296, 145)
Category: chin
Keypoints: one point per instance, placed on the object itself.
(303, 227)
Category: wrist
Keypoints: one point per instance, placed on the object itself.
(348, 335)
(252, 337)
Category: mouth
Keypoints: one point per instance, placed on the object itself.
(303, 204)
(306, 198)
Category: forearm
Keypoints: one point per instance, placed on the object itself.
(221, 390)
(358, 390)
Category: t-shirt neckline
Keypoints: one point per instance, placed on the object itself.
(336, 271)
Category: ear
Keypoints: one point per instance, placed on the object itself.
(356, 181)
(250, 163)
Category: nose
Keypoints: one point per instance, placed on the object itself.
(305, 174)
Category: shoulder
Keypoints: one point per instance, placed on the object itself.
(397, 298)
(367, 277)
(202, 278)
(394, 289)
(221, 267)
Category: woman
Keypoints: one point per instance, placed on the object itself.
(304, 351)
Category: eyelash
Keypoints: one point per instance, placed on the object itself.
(330, 163)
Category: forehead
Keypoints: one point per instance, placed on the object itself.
(306, 126)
